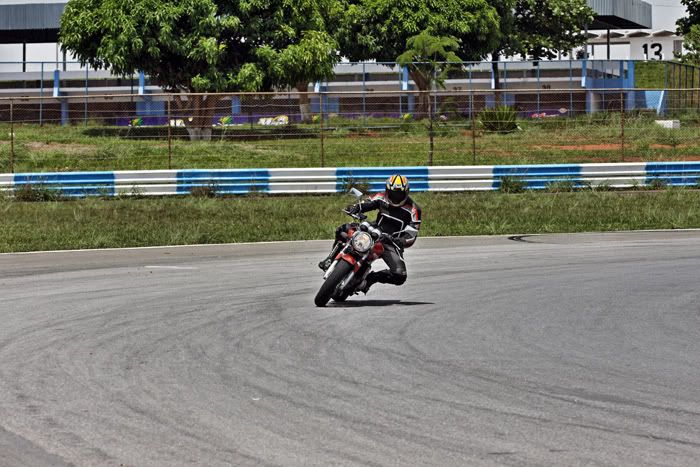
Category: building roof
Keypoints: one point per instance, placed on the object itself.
(39, 21)
(30, 22)
(620, 14)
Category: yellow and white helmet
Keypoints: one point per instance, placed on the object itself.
(397, 188)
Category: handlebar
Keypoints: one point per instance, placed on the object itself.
(359, 216)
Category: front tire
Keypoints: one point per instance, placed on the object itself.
(329, 285)
(340, 297)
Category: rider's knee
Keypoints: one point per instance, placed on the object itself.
(341, 233)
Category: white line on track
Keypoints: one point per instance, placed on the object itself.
(171, 267)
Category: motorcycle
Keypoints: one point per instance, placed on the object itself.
(363, 245)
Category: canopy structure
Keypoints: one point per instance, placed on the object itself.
(624, 36)
(620, 14)
(30, 22)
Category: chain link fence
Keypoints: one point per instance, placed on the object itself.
(337, 129)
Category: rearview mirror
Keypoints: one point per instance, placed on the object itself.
(356, 193)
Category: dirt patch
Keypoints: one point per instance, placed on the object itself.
(582, 147)
(67, 148)
(603, 146)
(669, 146)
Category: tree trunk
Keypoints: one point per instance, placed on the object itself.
(304, 101)
(197, 113)
(495, 57)
(199, 134)
(423, 84)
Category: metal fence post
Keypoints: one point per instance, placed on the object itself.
(12, 137)
(622, 126)
(473, 115)
(41, 97)
(364, 96)
(320, 107)
(85, 117)
(571, 92)
(539, 87)
(431, 133)
(170, 139)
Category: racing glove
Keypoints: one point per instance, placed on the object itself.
(353, 209)
(386, 238)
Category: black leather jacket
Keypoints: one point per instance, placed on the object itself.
(392, 219)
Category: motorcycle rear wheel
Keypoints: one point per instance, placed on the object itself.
(329, 285)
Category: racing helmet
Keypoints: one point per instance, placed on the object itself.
(397, 189)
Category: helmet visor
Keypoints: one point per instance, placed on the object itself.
(396, 196)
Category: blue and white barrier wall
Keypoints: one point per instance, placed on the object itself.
(334, 180)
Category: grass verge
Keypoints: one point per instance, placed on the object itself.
(100, 223)
(595, 138)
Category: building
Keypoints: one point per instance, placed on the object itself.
(657, 41)
(34, 66)
(29, 29)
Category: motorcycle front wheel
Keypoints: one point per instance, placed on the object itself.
(340, 297)
(329, 285)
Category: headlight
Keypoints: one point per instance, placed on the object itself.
(362, 242)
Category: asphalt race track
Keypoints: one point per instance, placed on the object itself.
(548, 350)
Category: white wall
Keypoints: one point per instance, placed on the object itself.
(665, 13)
(41, 52)
(10, 53)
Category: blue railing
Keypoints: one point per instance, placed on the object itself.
(561, 74)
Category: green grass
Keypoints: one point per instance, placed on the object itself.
(382, 142)
(99, 223)
(650, 75)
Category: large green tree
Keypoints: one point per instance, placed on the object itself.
(689, 27)
(539, 29)
(380, 29)
(205, 46)
(692, 18)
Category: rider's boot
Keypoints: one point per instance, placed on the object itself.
(327, 261)
(366, 283)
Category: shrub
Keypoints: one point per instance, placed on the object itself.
(36, 192)
(502, 119)
(512, 185)
(657, 184)
(550, 123)
(561, 186)
(448, 107)
(406, 124)
(204, 191)
(670, 138)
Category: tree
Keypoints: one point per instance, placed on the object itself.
(297, 43)
(689, 27)
(429, 59)
(693, 16)
(539, 29)
(691, 43)
(203, 46)
(380, 29)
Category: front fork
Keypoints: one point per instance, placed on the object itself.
(358, 267)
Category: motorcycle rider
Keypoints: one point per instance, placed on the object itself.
(397, 213)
